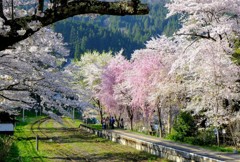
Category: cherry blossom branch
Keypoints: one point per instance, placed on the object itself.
(198, 35)
(23, 27)
(3, 55)
(15, 100)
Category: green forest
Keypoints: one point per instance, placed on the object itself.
(113, 33)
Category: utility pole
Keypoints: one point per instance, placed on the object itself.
(23, 117)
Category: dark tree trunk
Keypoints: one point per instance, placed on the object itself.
(1, 11)
(118, 120)
(12, 7)
(131, 120)
(1, 8)
(63, 2)
(160, 121)
(169, 119)
(100, 110)
(40, 5)
(130, 115)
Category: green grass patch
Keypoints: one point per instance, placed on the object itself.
(221, 148)
(142, 133)
(229, 149)
(66, 142)
(95, 126)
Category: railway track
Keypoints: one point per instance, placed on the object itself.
(64, 152)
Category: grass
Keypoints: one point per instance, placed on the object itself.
(95, 126)
(67, 143)
(221, 148)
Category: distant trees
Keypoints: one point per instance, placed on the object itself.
(113, 33)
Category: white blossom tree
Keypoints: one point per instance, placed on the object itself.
(31, 78)
(210, 77)
(88, 74)
(206, 67)
(214, 20)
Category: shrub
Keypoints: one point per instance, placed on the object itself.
(184, 126)
(206, 137)
(191, 140)
(5, 146)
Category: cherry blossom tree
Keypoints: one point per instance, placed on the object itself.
(212, 78)
(89, 72)
(162, 88)
(123, 98)
(29, 72)
(111, 90)
(214, 20)
(146, 65)
(21, 18)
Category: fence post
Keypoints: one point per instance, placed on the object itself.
(37, 142)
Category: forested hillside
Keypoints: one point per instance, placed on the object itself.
(112, 33)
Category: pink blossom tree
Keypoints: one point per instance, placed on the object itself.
(146, 65)
(164, 90)
(112, 77)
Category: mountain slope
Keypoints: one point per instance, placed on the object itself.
(105, 33)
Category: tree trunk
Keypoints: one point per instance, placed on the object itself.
(118, 121)
(12, 7)
(234, 139)
(1, 10)
(218, 139)
(169, 119)
(40, 5)
(160, 122)
(131, 122)
(130, 115)
(100, 110)
(63, 2)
